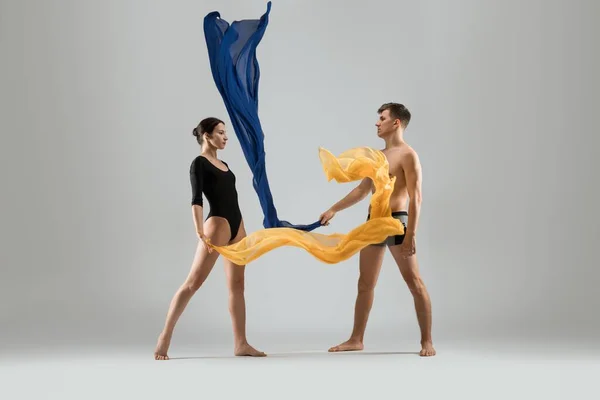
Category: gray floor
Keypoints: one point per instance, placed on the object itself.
(481, 370)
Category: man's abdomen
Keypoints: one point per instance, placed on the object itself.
(399, 202)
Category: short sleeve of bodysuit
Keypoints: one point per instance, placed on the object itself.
(196, 180)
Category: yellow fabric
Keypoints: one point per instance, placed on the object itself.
(352, 165)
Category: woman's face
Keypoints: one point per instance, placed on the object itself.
(218, 138)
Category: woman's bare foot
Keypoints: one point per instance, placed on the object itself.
(246, 350)
(350, 345)
(427, 349)
(161, 348)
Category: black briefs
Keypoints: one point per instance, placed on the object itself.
(402, 216)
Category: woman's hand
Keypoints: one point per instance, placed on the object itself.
(205, 240)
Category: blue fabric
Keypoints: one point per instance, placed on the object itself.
(235, 70)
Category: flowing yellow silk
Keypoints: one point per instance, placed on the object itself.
(352, 165)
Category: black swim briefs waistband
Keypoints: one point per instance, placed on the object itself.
(397, 215)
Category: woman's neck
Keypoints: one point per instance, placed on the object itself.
(209, 152)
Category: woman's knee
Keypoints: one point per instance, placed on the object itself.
(236, 284)
(192, 285)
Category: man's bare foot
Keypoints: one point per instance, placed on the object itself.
(427, 349)
(161, 348)
(350, 345)
(247, 350)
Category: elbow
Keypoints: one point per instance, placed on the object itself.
(362, 194)
(416, 199)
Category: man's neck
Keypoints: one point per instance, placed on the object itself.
(394, 140)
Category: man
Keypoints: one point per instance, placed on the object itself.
(405, 166)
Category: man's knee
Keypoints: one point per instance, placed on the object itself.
(365, 285)
(416, 285)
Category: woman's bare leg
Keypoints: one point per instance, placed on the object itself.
(217, 229)
(237, 304)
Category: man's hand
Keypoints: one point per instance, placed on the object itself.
(205, 240)
(356, 195)
(408, 247)
(326, 217)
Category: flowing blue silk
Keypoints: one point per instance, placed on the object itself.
(235, 70)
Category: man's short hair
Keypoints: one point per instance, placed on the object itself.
(397, 111)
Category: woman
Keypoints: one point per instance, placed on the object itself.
(224, 225)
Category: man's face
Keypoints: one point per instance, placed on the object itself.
(385, 124)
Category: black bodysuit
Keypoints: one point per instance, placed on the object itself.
(219, 188)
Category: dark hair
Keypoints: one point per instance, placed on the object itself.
(397, 111)
(207, 125)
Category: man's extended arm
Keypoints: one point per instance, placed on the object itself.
(357, 194)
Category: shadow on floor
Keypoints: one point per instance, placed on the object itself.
(307, 354)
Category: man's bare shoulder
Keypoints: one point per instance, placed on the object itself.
(401, 155)
(411, 154)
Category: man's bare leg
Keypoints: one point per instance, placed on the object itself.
(371, 258)
(409, 268)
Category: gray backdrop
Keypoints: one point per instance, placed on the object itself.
(99, 99)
